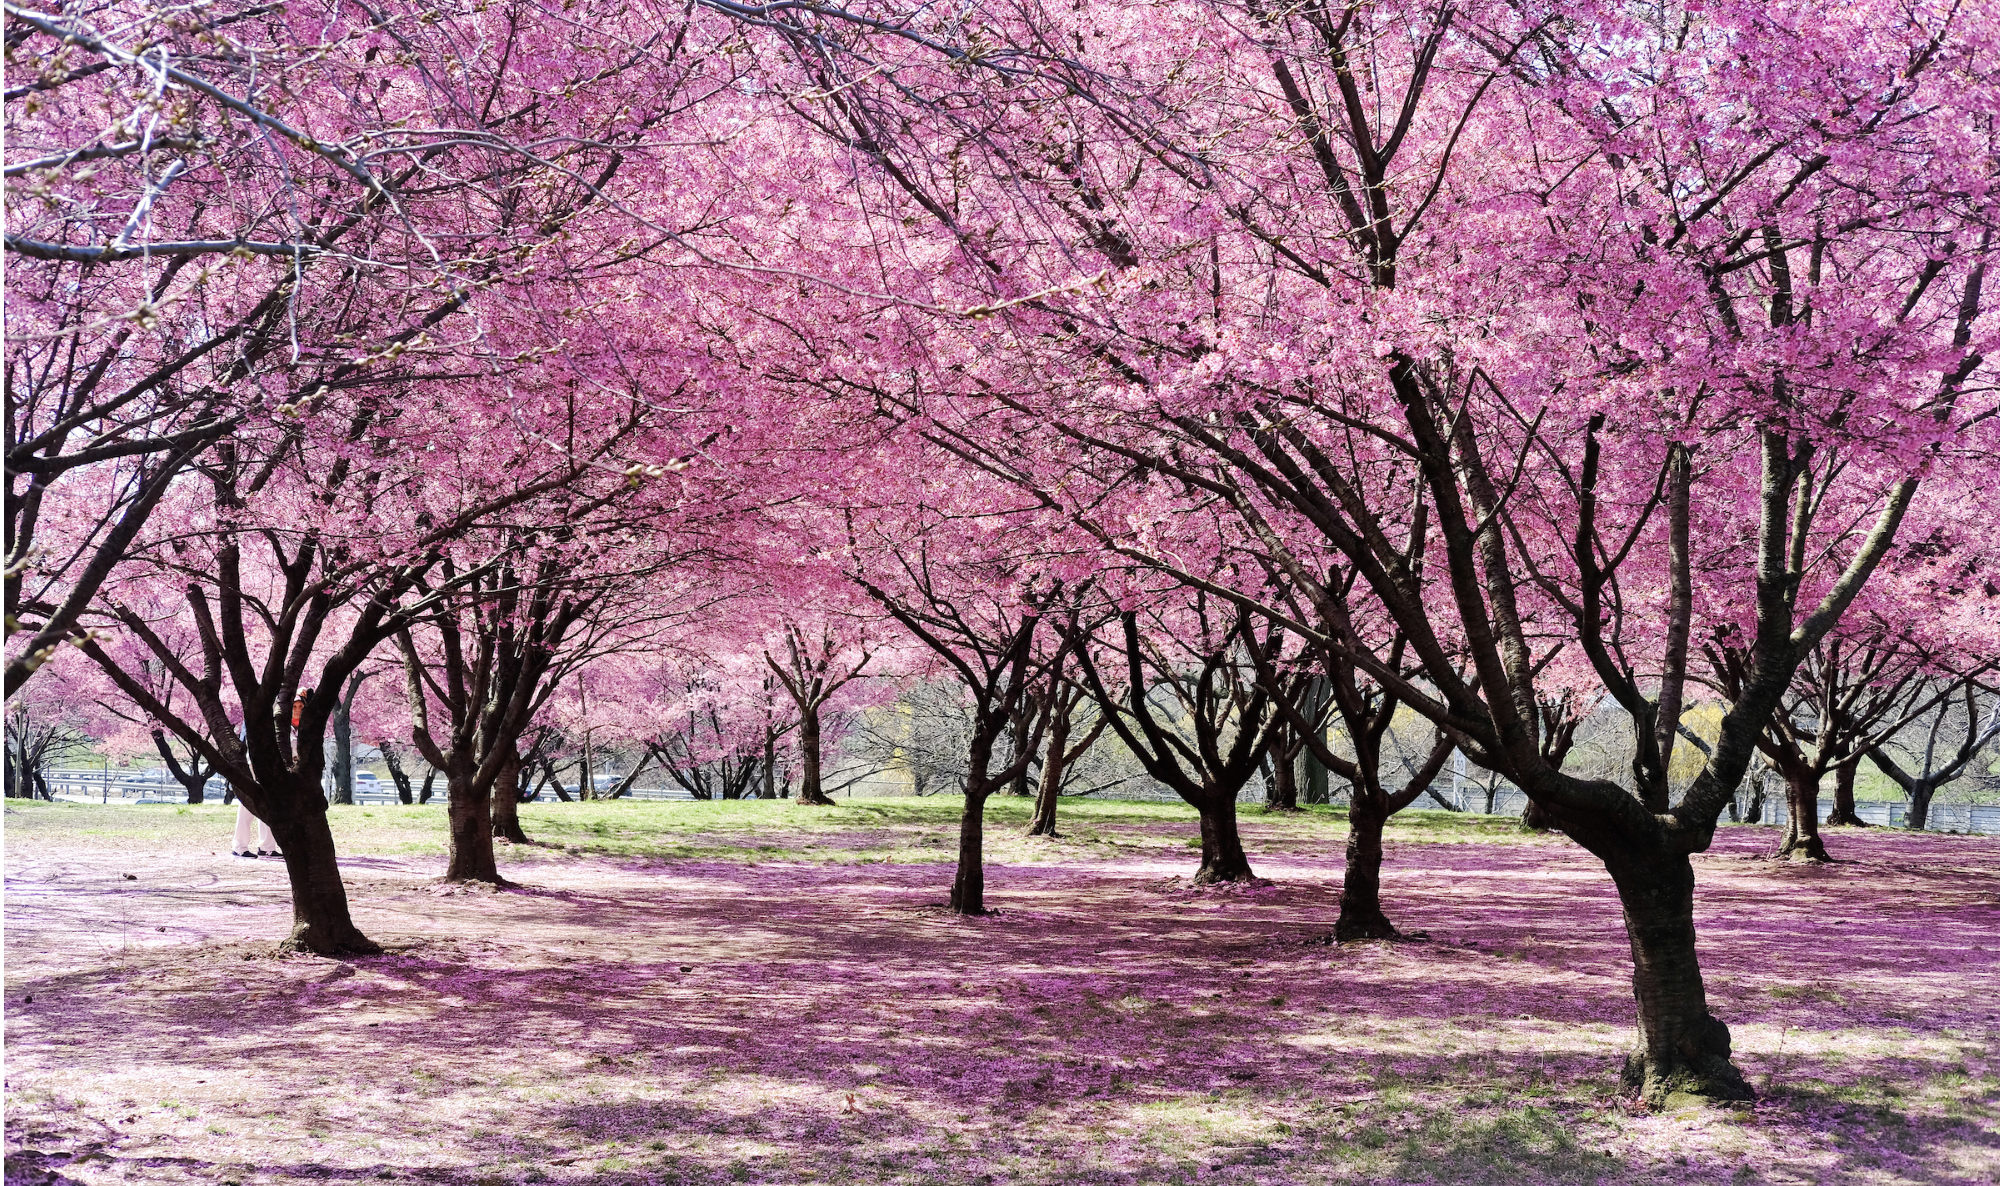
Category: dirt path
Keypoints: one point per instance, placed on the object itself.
(634, 1020)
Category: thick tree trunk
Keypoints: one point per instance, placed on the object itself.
(1843, 798)
(1918, 817)
(968, 885)
(507, 801)
(1361, 915)
(1802, 842)
(809, 791)
(470, 815)
(320, 920)
(1683, 1055)
(1534, 817)
(1222, 856)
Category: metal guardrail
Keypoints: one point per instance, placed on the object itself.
(157, 786)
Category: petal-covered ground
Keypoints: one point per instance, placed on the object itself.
(766, 993)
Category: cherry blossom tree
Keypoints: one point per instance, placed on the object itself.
(1565, 269)
(217, 218)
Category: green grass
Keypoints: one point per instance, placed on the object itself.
(897, 830)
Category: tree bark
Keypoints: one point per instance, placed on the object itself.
(1050, 790)
(507, 800)
(809, 791)
(1802, 841)
(400, 776)
(1918, 817)
(1222, 856)
(469, 812)
(343, 753)
(1753, 813)
(1683, 1056)
(1361, 915)
(321, 923)
(1284, 793)
(1843, 796)
(1319, 788)
(968, 885)
(193, 780)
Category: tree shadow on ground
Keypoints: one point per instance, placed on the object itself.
(793, 1021)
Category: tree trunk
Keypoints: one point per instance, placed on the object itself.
(1918, 817)
(193, 780)
(1018, 786)
(1284, 790)
(1843, 797)
(1754, 813)
(470, 814)
(1802, 842)
(1318, 791)
(809, 758)
(1683, 1056)
(343, 753)
(320, 920)
(1534, 817)
(968, 885)
(1222, 856)
(1361, 915)
(507, 800)
(397, 773)
(1050, 790)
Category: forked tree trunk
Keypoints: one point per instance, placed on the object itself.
(469, 811)
(968, 885)
(809, 791)
(1843, 812)
(320, 920)
(1361, 915)
(1802, 842)
(1050, 790)
(1222, 856)
(1683, 1056)
(507, 801)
